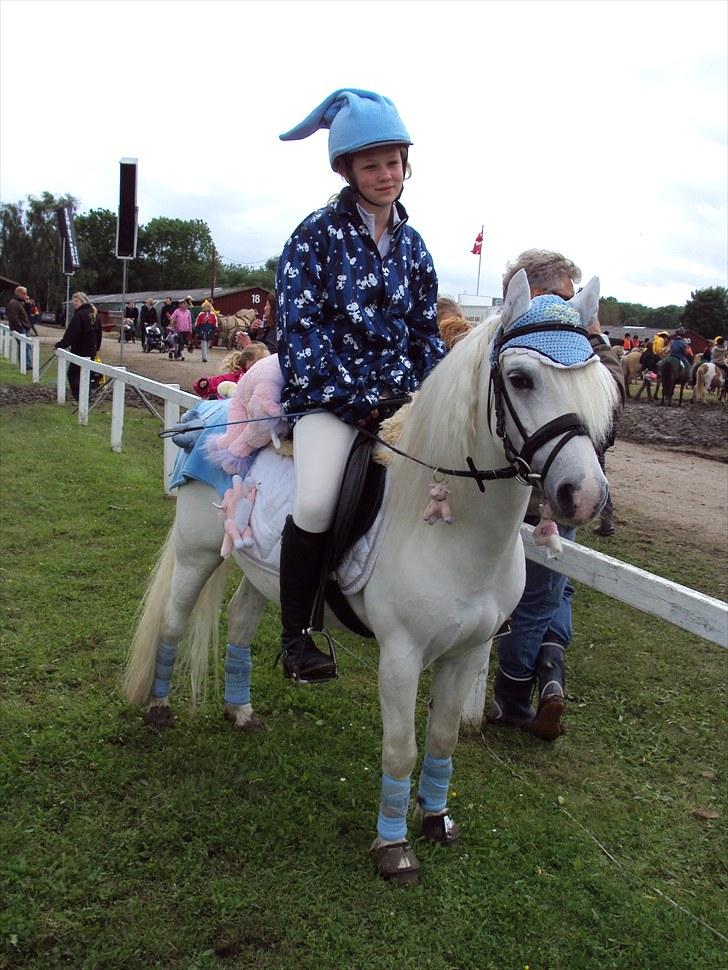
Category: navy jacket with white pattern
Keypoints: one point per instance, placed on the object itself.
(353, 326)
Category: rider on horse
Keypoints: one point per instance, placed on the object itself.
(357, 323)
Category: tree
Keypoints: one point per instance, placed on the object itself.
(30, 247)
(231, 275)
(706, 312)
(609, 313)
(101, 271)
(172, 254)
(665, 317)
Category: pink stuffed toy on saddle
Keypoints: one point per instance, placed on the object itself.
(258, 395)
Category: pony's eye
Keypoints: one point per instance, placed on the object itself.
(520, 381)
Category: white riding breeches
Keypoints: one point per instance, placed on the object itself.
(321, 446)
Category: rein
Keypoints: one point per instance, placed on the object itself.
(477, 474)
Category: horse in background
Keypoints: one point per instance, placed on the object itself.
(640, 364)
(672, 373)
(631, 367)
(708, 377)
(227, 327)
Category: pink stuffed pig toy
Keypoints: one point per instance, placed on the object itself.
(438, 508)
(546, 534)
(258, 395)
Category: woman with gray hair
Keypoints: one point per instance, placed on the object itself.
(82, 337)
(547, 271)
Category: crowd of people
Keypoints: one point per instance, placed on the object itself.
(174, 328)
(677, 345)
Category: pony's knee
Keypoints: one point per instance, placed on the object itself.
(399, 755)
(443, 738)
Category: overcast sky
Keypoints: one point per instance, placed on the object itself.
(594, 128)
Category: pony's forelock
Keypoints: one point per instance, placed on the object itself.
(592, 393)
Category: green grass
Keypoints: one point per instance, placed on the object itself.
(199, 848)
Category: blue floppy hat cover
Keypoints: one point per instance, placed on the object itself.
(356, 119)
(560, 348)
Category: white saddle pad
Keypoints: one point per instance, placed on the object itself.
(273, 477)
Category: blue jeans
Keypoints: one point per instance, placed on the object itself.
(543, 613)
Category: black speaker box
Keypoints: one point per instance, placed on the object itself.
(126, 226)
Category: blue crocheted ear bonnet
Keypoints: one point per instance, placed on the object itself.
(560, 348)
(356, 119)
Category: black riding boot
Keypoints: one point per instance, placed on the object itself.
(302, 559)
(550, 669)
(511, 706)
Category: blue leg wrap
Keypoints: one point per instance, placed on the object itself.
(434, 783)
(392, 821)
(166, 656)
(238, 669)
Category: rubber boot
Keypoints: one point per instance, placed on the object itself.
(511, 706)
(302, 559)
(550, 670)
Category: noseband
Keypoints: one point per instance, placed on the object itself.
(565, 427)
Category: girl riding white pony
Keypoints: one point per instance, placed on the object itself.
(510, 408)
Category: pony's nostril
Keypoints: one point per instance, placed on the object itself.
(565, 499)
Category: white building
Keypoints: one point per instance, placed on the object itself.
(476, 309)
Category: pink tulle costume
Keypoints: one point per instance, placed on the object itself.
(258, 395)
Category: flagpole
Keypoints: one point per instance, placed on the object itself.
(480, 257)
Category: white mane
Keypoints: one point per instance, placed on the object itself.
(441, 428)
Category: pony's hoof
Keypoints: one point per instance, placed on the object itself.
(159, 716)
(397, 863)
(442, 829)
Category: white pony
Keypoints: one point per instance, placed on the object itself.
(436, 595)
(708, 377)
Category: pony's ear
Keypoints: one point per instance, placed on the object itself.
(517, 301)
(586, 302)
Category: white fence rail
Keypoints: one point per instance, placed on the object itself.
(683, 607)
(174, 398)
(686, 608)
(13, 347)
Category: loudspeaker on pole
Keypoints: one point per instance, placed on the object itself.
(70, 261)
(126, 225)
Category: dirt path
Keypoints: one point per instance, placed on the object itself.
(658, 469)
(653, 485)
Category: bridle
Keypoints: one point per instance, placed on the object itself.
(565, 427)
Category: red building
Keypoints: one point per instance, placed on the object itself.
(226, 301)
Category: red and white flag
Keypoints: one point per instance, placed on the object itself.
(477, 245)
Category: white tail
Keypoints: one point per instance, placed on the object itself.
(700, 384)
(202, 630)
